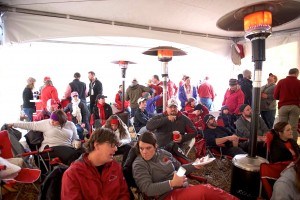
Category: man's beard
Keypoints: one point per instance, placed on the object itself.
(214, 124)
(248, 116)
(174, 113)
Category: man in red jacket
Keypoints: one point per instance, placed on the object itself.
(96, 175)
(287, 91)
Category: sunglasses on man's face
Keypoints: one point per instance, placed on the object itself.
(75, 96)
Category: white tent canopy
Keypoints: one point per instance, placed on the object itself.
(191, 22)
(89, 23)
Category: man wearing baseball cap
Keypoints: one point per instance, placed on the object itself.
(217, 136)
(171, 120)
(141, 116)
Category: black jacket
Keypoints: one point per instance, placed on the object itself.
(27, 96)
(80, 87)
(278, 151)
(96, 86)
(163, 128)
(107, 110)
(140, 119)
(246, 86)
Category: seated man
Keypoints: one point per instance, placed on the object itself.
(101, 111)
(243, 124)
(197, 116)
(141, 116)
(171, 120)
(95, 175)
(217, 136)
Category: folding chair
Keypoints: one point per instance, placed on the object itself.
(269, 173)
(26, 175)
(268, 141)
(191, 143)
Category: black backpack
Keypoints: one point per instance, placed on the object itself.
(51, 187)
(34, 139)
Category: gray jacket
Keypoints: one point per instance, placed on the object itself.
(269, 103)
(243, 127)
(152, 176)
(285, 187)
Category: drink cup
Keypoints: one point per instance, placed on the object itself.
(176, 135)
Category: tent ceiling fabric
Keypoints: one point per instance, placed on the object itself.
(196, 17)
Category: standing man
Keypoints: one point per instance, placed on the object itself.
(172, 89)
(246, 86)
(95, 88)
(287, 92)
(234, 97)
(206, 93)
(267, 102)
(133, 93)
(156, 84)
(78, 86)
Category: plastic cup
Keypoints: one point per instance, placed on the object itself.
(176, 135)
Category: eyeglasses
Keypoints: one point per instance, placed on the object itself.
(75, 95)
(112, 145)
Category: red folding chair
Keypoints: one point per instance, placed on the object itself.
(26, 175)
(269, 173)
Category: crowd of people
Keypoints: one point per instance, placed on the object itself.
(95, 175)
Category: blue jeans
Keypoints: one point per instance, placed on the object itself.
(29, 112)
(268, 117)
(207, 102)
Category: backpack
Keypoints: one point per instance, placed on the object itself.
(34, 139)
(51, 187)
(14, 137)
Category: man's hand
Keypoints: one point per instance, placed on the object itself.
(235, 140)
(264, 95)
(178, 140)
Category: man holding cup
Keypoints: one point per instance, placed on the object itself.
(172, 128)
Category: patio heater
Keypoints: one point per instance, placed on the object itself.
(123, 64)
(257, 21)
(164, 54)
